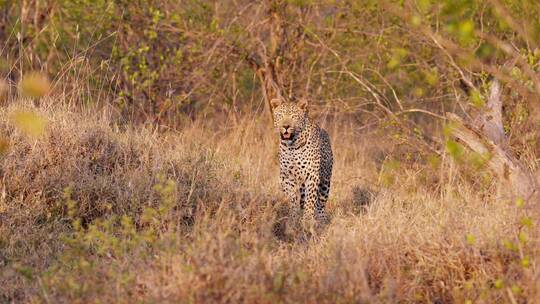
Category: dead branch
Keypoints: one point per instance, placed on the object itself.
(486, 136)
(490, 121)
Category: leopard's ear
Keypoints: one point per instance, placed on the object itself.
(275, 103)
(303, 104)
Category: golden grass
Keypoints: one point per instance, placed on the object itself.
(408, 240)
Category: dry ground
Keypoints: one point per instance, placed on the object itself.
(95, 211)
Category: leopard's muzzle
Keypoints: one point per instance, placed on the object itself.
(286, 132)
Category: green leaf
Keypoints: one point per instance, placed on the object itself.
(455, 149)
(522, 236)
(527, 222)
(466, 31)
(476, 99)
(471, 239)
(29, 122)
(516, 289)
(525, 262)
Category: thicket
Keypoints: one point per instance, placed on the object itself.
(393, 65)
(158, 58)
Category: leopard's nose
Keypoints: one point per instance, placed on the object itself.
(286, 127)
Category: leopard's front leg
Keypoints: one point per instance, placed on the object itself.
(292, 191)
(311, 203)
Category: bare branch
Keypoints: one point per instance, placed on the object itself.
(510, 171)
(490, 120)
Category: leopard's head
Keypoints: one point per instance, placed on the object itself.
(289, 118)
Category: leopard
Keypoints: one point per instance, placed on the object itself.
(305, 161)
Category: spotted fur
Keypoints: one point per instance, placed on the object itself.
(305, 160)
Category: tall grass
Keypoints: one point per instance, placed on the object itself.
(94, 211)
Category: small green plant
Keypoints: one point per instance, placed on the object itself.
(114, 238)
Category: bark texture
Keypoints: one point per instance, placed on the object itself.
(485, 135)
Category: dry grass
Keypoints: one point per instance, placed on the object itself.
(218, 237)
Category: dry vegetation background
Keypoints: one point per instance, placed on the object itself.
(138, 163)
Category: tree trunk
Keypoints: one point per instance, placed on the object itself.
(485, 135)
